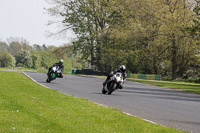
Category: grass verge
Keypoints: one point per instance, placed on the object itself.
(190, 87)
(28, 107)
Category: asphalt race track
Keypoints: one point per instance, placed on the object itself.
(164, 106)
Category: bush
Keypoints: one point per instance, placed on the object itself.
(24, 58)
(48, 59)
(36, 58)
(7, 60)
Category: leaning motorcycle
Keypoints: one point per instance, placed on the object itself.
(113, 83)
(54, 72)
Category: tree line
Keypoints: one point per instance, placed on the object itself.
(17, 52)
(148, 36)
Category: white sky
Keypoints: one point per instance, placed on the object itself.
(28, 19)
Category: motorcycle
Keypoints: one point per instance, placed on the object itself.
(113, 83)
(53, 74)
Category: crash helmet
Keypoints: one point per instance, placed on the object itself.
(61, 61)
(122, 68)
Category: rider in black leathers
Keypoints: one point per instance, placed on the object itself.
(122, 69)
(61, 66)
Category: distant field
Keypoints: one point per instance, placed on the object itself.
(28, 107)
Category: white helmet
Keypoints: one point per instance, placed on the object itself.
(61, 61)
(122, 68)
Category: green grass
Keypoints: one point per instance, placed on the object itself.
(190, 87)
(26, 107)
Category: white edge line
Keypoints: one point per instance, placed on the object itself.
(128, 114)
(142, 119)
(35, 80)
(91, 101)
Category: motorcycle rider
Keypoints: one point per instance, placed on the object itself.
(60, 65)
(122, 69)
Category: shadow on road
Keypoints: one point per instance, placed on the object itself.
(44, 82)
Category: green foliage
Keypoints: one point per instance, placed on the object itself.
(24, 59)
(89, 20)
(155, 29)
(67, 65)
(148, 36)
(48, 59)
(17, 45)
(70, 60)
(37, 47)
(36, 58)
(7, 60)
(3, 47)
(14, 48)
(195, 28)
(133, 63)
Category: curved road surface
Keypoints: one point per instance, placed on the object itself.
(164, 106)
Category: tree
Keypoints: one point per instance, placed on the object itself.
(6, 60)
(48, 59)
(37, 47)
(14, 48)
(24, 59)
(157, 28)
(36, 59)
(194, 29)
(44, 47)
(89, 21)
(17, 45)
(3, 46)
(147, 36)
(182, 47)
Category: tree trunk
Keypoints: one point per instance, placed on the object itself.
(173, 58)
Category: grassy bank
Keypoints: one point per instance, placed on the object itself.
(28, 107)
(190, 87)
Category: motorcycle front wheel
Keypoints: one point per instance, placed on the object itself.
(104, 91)
(48, 80)
(111, 88)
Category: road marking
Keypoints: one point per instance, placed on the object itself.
(127, 114)
(150, 121)
(142, 119)
(35, 80)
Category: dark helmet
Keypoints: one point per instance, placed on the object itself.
(122, 68)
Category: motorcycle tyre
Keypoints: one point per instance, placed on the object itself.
(48, 80)
(111, 88)
(104, 91)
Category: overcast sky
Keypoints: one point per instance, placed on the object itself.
(28, 19)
